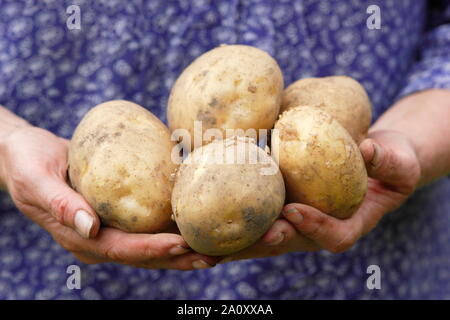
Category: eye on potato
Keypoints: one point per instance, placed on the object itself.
(229, 87)
(321, 164)
(119, 160)
(221, 207)
(342, 97)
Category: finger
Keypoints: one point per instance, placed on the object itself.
(280, 232)
(188, 261)
(281, 238)
(297, 242)
(67, 206)
(88, 259)
(330, 233)
(118, 246)
(387, 165)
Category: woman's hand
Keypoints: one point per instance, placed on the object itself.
(408, 146)
(394, 173)
(33, 167)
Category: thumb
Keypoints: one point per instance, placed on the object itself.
(386, 164)
(68, 207)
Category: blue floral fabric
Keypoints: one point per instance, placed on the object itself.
(135, 49)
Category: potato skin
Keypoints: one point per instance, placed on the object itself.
(119, 160)
(321, 164)
(223, 208)
(229, 87)
(342, 97)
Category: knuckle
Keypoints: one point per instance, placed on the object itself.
(287, 230)
(154, 249)
(112, 252)
(58, 206)
(316, 229)
(288, 235)
(151, 252)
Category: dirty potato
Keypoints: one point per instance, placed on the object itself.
(229, 87)
(342, 97)
(227, 194)
(321, 164)
(119, 160)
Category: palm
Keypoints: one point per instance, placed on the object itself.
(380, 198)
(393, 177)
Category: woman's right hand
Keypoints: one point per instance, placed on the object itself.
(33, 167)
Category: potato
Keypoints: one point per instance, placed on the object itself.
(229, 87)
(321, 164)
(119, 160)
(221, 208)
(342, 97)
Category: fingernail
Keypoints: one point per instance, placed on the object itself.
(177, 250)
(279, 238)
(200, 264)
(83, 223)
(293, 215)
(376, 155)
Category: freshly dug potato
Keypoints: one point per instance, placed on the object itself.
(342, 97)
(229, 87)
(321, 164)
(119, 160)
(221, 208)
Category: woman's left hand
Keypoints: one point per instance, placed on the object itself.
(394, 173)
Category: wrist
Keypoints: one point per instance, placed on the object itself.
(9, 124)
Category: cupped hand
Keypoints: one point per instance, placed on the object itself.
(394, 173)
(34, 170)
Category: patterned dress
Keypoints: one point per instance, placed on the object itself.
(52, 75)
